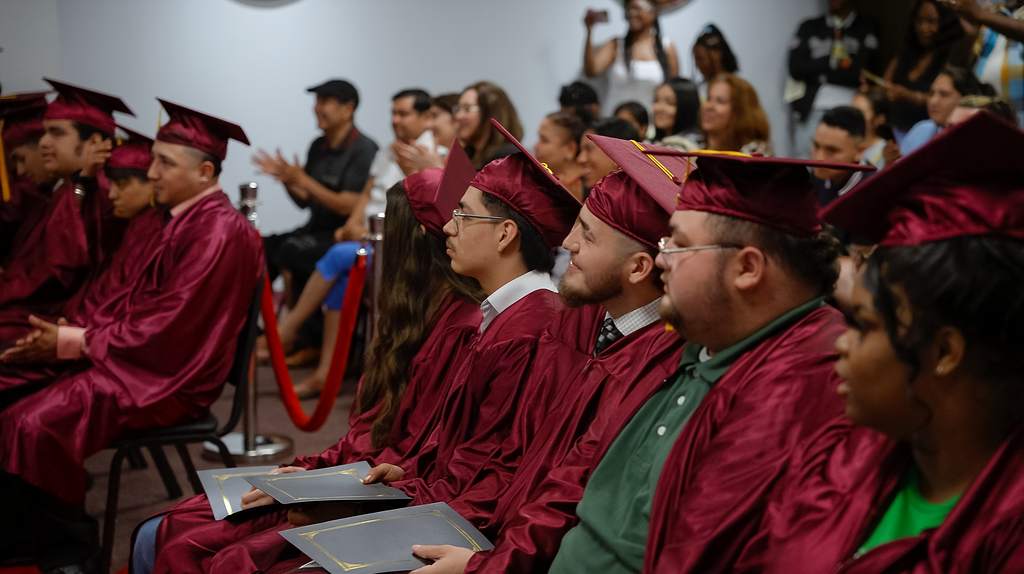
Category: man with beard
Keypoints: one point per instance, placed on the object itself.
(613, 291)
(746, 267)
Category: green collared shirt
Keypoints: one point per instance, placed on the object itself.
(615, 512)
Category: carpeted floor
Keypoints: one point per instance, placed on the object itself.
(143, 493)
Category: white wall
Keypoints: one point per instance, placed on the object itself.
(251, 61)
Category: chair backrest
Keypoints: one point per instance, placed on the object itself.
(239, 374)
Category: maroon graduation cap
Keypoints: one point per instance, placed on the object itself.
(23, 118)
(968, 180)
(775, 192)
(434, 193)
(528, 187)
(85, 106)
(197, 130)
(639, 198)
(134, 153)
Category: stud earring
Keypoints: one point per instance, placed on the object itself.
(940, 369)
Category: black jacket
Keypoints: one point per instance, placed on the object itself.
(810, 55)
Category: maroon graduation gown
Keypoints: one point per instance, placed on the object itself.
(159, 352)
(189, 535)
(539, 505)
(54, 260)
(840, 482)
(791, 368)
(121, 267)
(20, 215)
(562, 408)
(476, 417)
(716, 482)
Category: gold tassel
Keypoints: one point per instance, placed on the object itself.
(5, 185)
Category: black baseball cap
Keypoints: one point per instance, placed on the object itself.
(340, 90)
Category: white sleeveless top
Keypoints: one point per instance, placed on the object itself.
(637, 84)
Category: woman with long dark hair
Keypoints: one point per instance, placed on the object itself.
(636, 64)
(478, 104)
(428, 316)
(934, 32)
(558, 147)
(677, 115)
(925, 472)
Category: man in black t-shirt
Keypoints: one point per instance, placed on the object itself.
(336, 171)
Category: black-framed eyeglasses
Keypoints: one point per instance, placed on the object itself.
(456, 215)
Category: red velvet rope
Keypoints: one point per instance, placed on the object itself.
(346, 326)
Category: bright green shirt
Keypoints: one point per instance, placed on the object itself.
(909, 514)
(615, 511)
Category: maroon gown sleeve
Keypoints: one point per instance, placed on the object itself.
(716, 481)
(480, 409)
(450, 336)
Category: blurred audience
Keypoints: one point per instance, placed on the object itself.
(636, 64)
(676, 113)
(934, 32)
(826, 58)
(581, 99)
(948, 88)
(636, 114)
(558, 146)
(732, 119)
(838, 139)
(712, 56)
(478, 104)
(874, 105)
(596, 164)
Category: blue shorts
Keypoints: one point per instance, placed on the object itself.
(335, 266)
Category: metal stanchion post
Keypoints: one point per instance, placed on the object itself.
(248, 446)
(375, 237)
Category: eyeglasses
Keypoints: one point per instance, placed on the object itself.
(456, 215)
(664, 241)
(468, 109)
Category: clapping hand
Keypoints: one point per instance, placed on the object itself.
(277, 167)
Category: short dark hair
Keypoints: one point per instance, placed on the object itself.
(970, 283)
(577, 94)
(712, 38)
(614, 128)
(421, 103)
(570, 123)
(201, 156)
(964, 81)
(445, 101)
(847, 118)
(536, 254)
(125, 173)
(85, 131)
(635, 109)
(813, 260)
(879, 100)
(687, 105)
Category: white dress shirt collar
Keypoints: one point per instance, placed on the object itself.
(511, 292)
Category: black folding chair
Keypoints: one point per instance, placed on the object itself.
(202, 430)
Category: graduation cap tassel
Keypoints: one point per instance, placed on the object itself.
(654, 159)
(5, 184)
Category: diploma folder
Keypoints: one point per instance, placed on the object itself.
(382, 541)
(225, 486)
(335, 483)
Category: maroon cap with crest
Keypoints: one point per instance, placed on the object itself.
(85, 106)
(530, 189)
